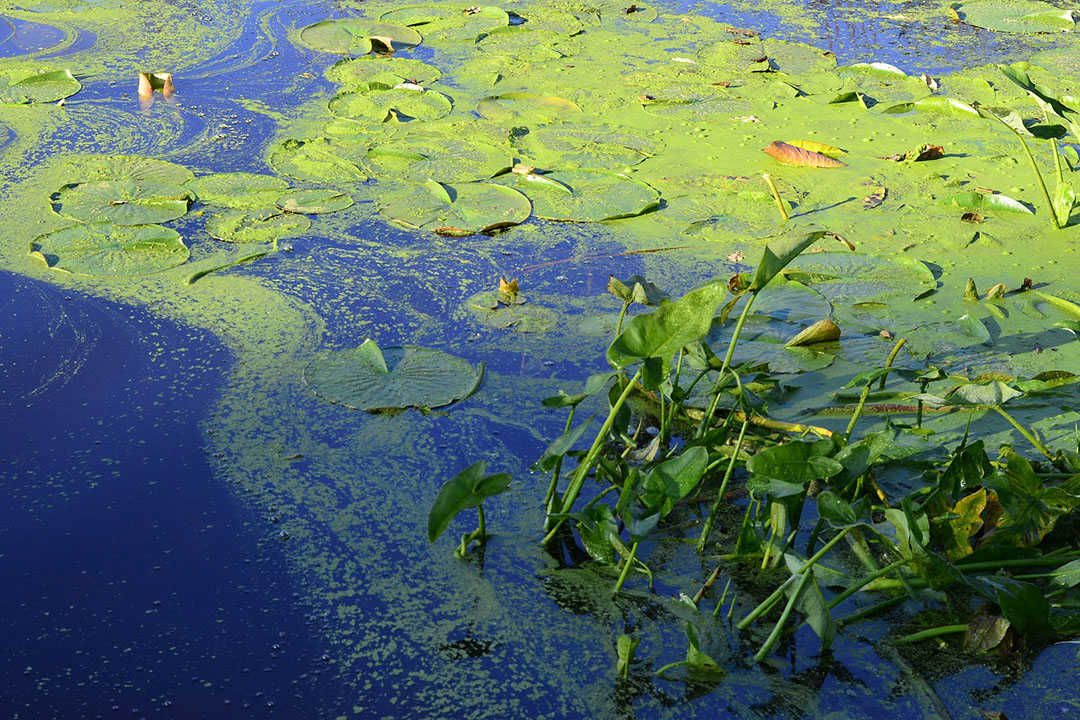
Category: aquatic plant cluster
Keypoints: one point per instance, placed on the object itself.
(798, 412)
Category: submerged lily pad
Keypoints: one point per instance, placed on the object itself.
(449, 23)
(524, 44)
(693, 104)
(238, 190)
(108, 249)
(851, 277)
(370, 379)
(124, 202)
(457, 210)
(1016, 16)
(255, 226)
(378, 103)
(356, 37)
(320, 160)
(313, 202)
(361, 72)
(586, 195)
(527, 108)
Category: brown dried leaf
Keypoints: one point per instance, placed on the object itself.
(875, 198)
(919, 154)
(791, 155)
(997, 292)
(930, 82)
(972, 217)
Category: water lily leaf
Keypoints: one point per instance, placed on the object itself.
(768, 55)
(378, 103)
(935, 104)
(519, 317)
(527, 44)
(586, 195)
(468, 489)
(979, 201)
(1016, 16)
(1066, 306)
(437, 157)
(108, 249)
(313, 202)
(18, 88)
(255, 226)
(586, 146)
(992, 394)
(354, 36)
(973, 327)
(413, 377)
(457, 210)
(132, 167)
(791, 155)
(692, 103)
(820, 332)
(238, 190)
(853, 277)
(359, 73)
(876, 69)
(124, 202)
(320, 160)
(449, 23)
(526, 107)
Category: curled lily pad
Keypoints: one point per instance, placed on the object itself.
(108, 249)
(449, 23)
(586, 195)
(255, 226)
(313, 202)
(980, 201)
(526, 107)
(354, 36)
(363, 71)
(132, 167)
(457, 210)
(370, 379)
(238, 190)
(935, 104)
(378, 103)
(1016, 16)
(18, 88)
(124, 202)
(320, 160)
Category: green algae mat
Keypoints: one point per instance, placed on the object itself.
(825, 429)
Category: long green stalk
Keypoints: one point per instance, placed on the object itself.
(706, 419)
(554, 486)
(866, 390)
(1027, 435)
(931, 633)
(778, 629)
(626, 568)
(723, 487)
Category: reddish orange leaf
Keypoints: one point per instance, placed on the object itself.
(791, 155)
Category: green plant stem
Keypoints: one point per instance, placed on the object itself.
(771, 600)
(776, 196)
(866, 390)
(1039, 178)
(742, 529)
(622, 316)
(723, 487)
(814, 533)
(872, 610)
(931, 633)
(553, 488)
(481, 527)
(863, 582)
(626, 568)
(778, 629)
(587, 462)
(1023, 431)
(706, 419)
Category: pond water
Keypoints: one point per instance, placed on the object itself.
(189, 531)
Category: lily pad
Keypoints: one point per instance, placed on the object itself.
(313, 202)
(586, 195)
(320, 160)
(792, 58)
(457, 210)
(527, 108)
(851, 277)
(361, 72)
(255, 226)
(491, 310)
(108, 249)
(437, 157)
(132, 167)
(449, 23)
(566, 146)
(379, 103)
(37, 87)
(693, 104)
(365, 378)
(238, 190)
(124, 202)
(524, 44)
(354, 36)
(1015, 16)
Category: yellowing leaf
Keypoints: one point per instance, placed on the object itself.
(817, 147)
(791, 155)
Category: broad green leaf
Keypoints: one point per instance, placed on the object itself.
(1064, 201)
(415, 377)
(123, 202)
(320, 160)
(935, 104)
(665, 330)
(673, 479)
(371, 354)
(359, 73)
(586, 195)
(811, 603)
(108, 249)
(1068, 575)
(1031, 508)
(957, 531)
(238, 190)
(778, 254)
(468, 489)
(586, 146)
(836, 510)
(697, 660)
(985, 632)
(973, 327)
(17, 87)
(380, 103)
(527, 108)
(442, 23)
(314, 202)
(456, 210)
(796, 462)
(561, 445)
(255, 226)
(981, 202)
(1023, 604)
(354, 36)
(992, 394)
(1015, 16)
(433, 153)
(131, 167)
(596, 525)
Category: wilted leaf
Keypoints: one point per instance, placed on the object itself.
(919, 154)
(820, 332)
(971, 291)
(979, 201)
(817, 147)
(791, 155)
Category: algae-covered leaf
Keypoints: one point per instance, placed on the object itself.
(526, 44)
(255, 226)
(697, 660)
(320, 160)
(238, 190)
(797, 156)
(468, 489)
(359, 73)
(448, 23)
(37, 87)
(596, 525)
(108, 249)
(378, 103)
(853, 277)
(313, 202)
(130, 167)
(586, 146)
(693, 103)
(443, 155)
(527, 108)
(489, 309)
(982, 202)
(1015, 16)
(123, 202)
(462, 209)
(354, 36)
(935, 104)
(586, 195)
(415, 377)
(921, 153)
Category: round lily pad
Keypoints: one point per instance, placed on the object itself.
(522, 317)
(567, 146)
(444, 159)
(1016, 16)
(365, 378)
(527, 108)
(255, 226)
(132, 167)
(457, 210)
(320, 160)
(792, 58)
(856, 278)
(312, 202)
(238, 190)
(354, 36)
(124, 202)
(378, 103)
(692, 104)
(37, 87)
(363, 71)
(528, 45)
(107, 249)
(442, 23)
(586, 195)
